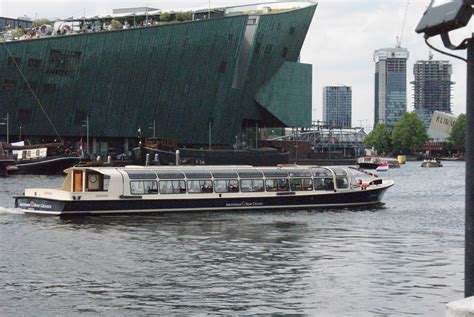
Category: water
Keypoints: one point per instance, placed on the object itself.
(405, 258)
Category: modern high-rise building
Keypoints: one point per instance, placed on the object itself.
(432, 88)
(390, 85)
(337, 106)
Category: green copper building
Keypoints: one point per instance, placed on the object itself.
(231, 73)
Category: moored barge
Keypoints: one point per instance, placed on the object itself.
(139, 189)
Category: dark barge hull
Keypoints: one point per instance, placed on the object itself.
(47, 166)
(287, 200)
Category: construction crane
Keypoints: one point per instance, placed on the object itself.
(400, 38)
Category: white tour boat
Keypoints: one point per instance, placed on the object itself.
(143, 189)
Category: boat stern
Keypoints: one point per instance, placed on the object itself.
(39, 205)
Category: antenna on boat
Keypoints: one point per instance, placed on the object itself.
(32, 91)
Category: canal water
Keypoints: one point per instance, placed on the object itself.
(402, 259)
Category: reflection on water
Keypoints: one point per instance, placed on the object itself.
(402, 258)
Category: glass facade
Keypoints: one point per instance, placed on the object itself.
(337, 106)
(390, 85)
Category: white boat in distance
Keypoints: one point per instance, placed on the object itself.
(138, 189)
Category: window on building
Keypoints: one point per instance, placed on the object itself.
(8, 84)
(268, 49)
(24, 115)
(222, 67)
(292, 30)
(13, 60)
(34, 63)
(284, 53)
(62, 62)
(49, 89)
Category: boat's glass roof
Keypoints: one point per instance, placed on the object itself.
(198, 174)
(275, 173)
(321, 172)
(249, 173)
(140, 174)
(224, 174)
(170, 175)
(299, 173)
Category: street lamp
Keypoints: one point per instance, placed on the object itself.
(86, 122)
(7, 123)
(441, 17)
(153, 127)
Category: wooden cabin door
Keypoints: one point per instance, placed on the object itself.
(77, 181)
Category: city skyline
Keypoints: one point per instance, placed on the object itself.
(340, 42)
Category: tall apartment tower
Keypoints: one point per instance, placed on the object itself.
(337, 106)
(390, 85)
(432, 88)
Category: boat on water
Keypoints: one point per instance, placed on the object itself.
(431, 163)
(372, 162)
(47, 159)
(140, 189)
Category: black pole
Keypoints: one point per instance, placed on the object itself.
(469, 243)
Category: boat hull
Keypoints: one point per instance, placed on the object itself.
(47, 166)
(285, 200)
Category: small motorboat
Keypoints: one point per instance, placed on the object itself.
(372, 162)
(431, 163)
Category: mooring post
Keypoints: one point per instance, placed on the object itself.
(469, 156)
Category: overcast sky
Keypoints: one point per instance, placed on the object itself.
(340, 43)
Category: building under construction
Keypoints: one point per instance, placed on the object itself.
(432, 88)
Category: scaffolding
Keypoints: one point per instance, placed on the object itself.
(323, 139)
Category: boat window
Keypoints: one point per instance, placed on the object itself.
(106, 182)
(321, 172)
(141, 174)
(200, 186)
(251, 185)
(249, 173)
(339, 171)
(224, 174)
(197, 174)
(277, 185)
(299, 184)
(172, 187)
(226, 186)
(143, 187)
(323, 184)
(94, 182)
(299, 173)
(170, 175)
(342, 182)
(275, 173)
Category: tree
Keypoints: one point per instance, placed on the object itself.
(379, 139)
(458, 134)
(39, 22)
(184, 16)
(409, 134)
(115, 25)
(165, 17)
(17, 33)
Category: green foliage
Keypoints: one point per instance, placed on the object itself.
(18, 32)
(409, 134)
(458, 134)
(165, 17)
(115, 25)
(40, 22)
(184, 16)
(379, 139)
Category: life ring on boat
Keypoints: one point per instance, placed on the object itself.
(67, 152)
